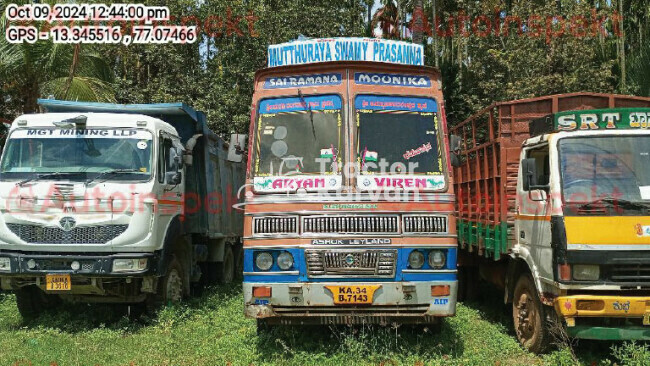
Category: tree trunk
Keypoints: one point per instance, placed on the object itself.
(622, 46)
(418, 22)
(434, 34)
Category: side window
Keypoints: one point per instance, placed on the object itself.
(542, 163)
(164, 163)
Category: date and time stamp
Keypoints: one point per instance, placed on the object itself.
(95, 23)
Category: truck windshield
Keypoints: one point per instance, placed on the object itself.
(77, 154)
(398, 135)
(611, 168)
(300, 135)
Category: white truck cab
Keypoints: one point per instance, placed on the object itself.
(95, 204)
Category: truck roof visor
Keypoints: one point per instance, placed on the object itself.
(75, 122)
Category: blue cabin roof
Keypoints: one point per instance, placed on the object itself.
(184, 118)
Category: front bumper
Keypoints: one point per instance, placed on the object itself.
(313, 303)
(631, 315)
(91, 265)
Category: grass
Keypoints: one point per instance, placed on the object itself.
(211, 330)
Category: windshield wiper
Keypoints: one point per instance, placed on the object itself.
(107, 173)
(45, 176)
(619, 202)
(311, 113)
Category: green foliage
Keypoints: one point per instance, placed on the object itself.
(514, 66)
(30, 71)
(216, 73)
(632, 354)
(639, 70)
(211, 330)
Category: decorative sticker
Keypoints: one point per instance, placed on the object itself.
(425, 148)
(401, 182)
(297, 104)
(621, 306)
(301, 81)
(293, 183)
(327, 153)
(57, 133)
(370, 156)
(443, 301)
(642, 230)
(142, 144)
(368, 78)
(383, 103)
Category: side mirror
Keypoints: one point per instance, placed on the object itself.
(529, 171)
(173, 178)
(236, 147)
(454, 150)
(176, 158)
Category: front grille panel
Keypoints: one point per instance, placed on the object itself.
(352, 263)
(630, 273)
(275, 225)
(425, 224)
(35, 234)
(350, 224)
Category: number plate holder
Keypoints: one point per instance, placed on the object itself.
(58, 282)
(353, 295)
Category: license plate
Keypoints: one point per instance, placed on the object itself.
(353, 295)
(58, 282)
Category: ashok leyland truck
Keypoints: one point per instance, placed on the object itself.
(349, 201)
(554, 207)
(116, 204)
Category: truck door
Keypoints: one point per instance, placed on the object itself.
(533, 223)
(171, 184)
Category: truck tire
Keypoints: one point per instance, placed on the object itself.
(262, 326)
(226, 268)
(171, 287)
(32, 301)
(461, 276)
(472, 284)
(239, 268)
(529, 316)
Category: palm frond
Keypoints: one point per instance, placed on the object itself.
(80, 88)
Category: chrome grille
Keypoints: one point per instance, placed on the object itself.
(350, 224)
(630, 273)
(63, 190)
(425, 224)
(275, 225)
(353, 263)
(79, 235)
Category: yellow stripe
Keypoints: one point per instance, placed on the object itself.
(606, 230)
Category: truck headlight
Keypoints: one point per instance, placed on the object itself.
(264, 261)
(285, 261)
(129, 264)
(437, 259)
(586, 272)
(5, 264)
(416, 259)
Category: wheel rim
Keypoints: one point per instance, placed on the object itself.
(228, 264)
(525, 318)
(174, 290)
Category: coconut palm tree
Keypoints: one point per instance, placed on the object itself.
(66, 71)
(388, 19)
(418, 21)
